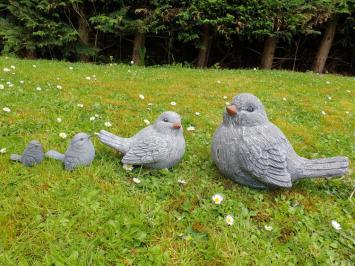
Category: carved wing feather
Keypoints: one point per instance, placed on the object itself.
(146, 151)
(264, 155)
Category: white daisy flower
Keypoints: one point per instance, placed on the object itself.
(11, 85)
(13, 67)
(92, 118)
(108, 124)
(34, 66)
(268, 227)
(132, 62)
(97, 116)
(59, 87)
(347, 112)
(59, 120)
(254, 68)
(348, 91)
(63, 135)
(182, 181)
(328, 82)
(136, 180)
(335, 225)
(21, 81)
(217, 198)
(323, 113)
(150, 104)
(94, 76)
(38, 88)
(229, 220)
(197, 113)
(141, 96)
(146, 121)
(190, 128)
(3, 150)
(218, 81)
(6, 109)
(2, 87)
(227, 103)
(173, 103)
(88, 78)
(225, 97)
(284, 98)
(128, 167)
(80, 105)
(6, 69)
(71, 68)
(329, 98)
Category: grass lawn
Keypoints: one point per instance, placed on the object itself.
(99, 216)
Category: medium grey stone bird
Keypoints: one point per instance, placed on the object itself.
(81, 151)
(252, 151)
(32, 155)
(158, 146)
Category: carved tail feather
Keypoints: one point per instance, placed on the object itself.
(15, 157)
(118, 143)
(325, 167)
(55, 155)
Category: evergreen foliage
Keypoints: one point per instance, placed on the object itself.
(89, 29)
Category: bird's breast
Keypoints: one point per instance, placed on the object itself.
(225, 149)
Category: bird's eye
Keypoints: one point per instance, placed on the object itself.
(250, 109)
(165, 120)
(81, 139)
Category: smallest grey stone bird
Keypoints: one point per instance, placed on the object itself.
(32, 155)
(81, 151)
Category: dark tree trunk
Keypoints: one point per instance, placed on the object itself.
(202, 58)
(83, 33)
(324, 47)
(138, 53)
(31, 54)
(268, 53)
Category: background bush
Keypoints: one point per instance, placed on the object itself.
(295, 34)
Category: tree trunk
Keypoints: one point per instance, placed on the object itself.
(202, 58)
(324, 47)
(83, 34)
(268, 53)
(31, 54)
(138, 53)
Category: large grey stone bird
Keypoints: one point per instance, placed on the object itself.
(81, 151)
(158, 146)
(252, 151)
(32, 155)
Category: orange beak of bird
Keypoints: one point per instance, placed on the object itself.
(231, 110)
(176, 125)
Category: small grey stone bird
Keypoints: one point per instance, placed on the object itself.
(32, 155)
(81, 151)
(158, 146)
(252, 151)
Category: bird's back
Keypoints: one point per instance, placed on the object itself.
(32, 156)
(75, 156)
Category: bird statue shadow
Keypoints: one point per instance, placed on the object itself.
(252, 151)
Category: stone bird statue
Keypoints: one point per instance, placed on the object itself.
(161, 145)
(32, 155)
(252, 151)
(81, 151)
